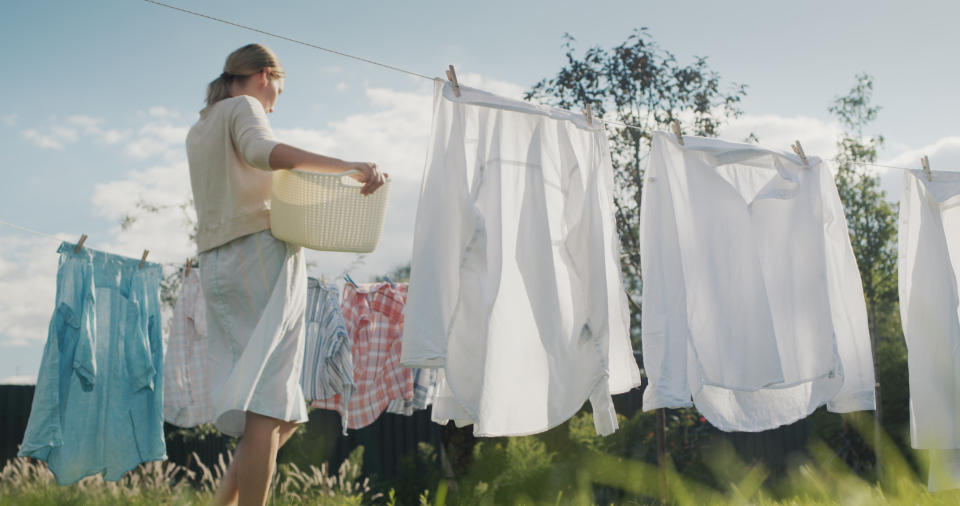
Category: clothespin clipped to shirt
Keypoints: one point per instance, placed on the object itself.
(588, 112)
(83, 239)
(387, 279)
(348, 279)
(143, 259)
(452, 77)
(323, 279)
(676, 131)
(925, 163)
(186, 272)
(798, 149)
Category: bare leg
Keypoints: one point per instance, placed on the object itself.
(286, 431)
(227, 494)
(261, 439)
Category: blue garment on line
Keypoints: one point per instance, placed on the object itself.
(98, 405)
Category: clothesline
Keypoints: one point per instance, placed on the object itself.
(332, 51)
(290, 39)
(58, 239)
(390, 67)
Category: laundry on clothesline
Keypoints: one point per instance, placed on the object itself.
(515, 285)
(374, 318)
(929, 269)
(186, 391)
(752, 300)
(328, 357)
(424, 390)
(97, 407)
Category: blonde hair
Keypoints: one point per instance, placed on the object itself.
(240, 65)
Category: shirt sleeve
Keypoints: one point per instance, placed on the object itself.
(139, 358)
(43, 432)
(447, 228)
(72, 328)
(251, 132)
(664, 333)
(847, 305)
(84, 359)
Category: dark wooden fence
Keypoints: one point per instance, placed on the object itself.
(391, 444)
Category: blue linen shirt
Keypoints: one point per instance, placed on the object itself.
(98, 405)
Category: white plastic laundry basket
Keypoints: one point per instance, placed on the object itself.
(326, 211)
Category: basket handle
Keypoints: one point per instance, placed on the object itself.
(353, 183)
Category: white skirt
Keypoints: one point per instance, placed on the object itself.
(255, 288)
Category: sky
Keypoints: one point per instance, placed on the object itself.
(99, 96)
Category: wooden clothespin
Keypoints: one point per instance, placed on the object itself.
(588, 112)
(798, 149)
(676, 131)
(925, 163)
(323, 279)
(186, 272)
(83, 239)
(143, 259)
(452, 77)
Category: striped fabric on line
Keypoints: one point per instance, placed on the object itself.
(328, 360)
(424, 389)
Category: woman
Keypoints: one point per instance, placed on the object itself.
(254, 284)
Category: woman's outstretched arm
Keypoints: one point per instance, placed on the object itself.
(285, 156)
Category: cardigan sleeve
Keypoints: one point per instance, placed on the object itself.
(251, 132)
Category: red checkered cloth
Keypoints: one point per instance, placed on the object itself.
(374, 317)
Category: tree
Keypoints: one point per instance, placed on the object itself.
(870, 217)
(872, 222)
(638, 83)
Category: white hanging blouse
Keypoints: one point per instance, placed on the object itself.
(929, 265)
(515, 287)
(752, 302)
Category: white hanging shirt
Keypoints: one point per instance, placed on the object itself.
(515, 287)
(928, 264)
(752, 302)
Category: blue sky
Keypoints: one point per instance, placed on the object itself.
(99, 96)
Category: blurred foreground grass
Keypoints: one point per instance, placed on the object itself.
(521, 471)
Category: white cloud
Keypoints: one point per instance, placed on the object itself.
(943, 154)
(162, 112)
(68, 131)
(342, 86)
(164, 233)
(818, 137)
(19, 380)
(41, 140)
(89, 124)
(65, 134)
(158, 139)
(495, 86)
(9, 119)
(28, 274)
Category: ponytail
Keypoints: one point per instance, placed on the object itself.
(240, 65)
